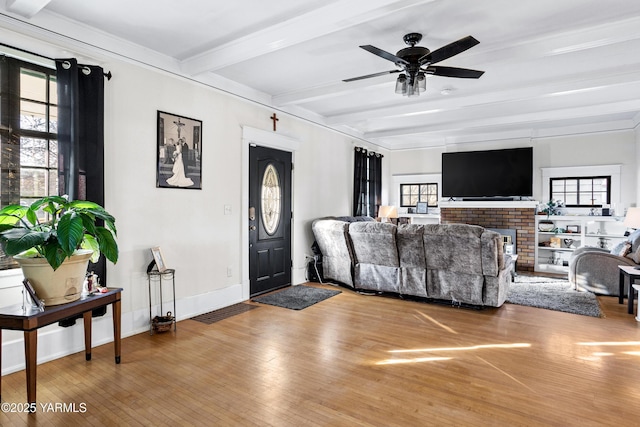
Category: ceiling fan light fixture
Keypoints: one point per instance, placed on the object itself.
(418, 61)
(422, 82)
(413, 89)
(401, 84)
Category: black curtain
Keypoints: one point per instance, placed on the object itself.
(80, 131)
(360, 182)
(367, 182)
(375, 183)
(81, 139)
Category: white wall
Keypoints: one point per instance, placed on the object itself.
(637, 182)
(196, 237)
(606, 148)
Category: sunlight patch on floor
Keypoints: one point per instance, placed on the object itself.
(511, 377)
(610, 343)
(415, 360)
(435, 322)
(472, 347)
(598, 355)
(444, 349)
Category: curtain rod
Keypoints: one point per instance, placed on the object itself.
(108, 74)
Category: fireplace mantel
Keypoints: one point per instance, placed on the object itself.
(484, 204)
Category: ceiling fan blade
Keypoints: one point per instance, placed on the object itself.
(449, 50)
(384, 54)
(463, 73)
(371, 75)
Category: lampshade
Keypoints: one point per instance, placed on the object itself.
(388, 212)
(632, 220)
(422, 82)
(401, 84)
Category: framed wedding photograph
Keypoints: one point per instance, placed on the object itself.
(159, 259)
(179, 152)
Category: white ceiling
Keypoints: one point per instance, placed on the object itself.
(551, 67)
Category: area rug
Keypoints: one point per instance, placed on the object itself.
(297, 297)
(552, 294)
(223, 313)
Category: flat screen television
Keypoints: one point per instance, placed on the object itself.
(490, 173)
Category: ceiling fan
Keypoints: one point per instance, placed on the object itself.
(415, 62)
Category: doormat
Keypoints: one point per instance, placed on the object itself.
(297, 297)
(223, 313)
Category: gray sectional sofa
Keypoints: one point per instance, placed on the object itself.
(460, 263)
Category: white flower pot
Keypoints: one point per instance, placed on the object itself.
(60, 286)
(546, 225)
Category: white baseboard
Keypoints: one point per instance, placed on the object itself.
(55, 342)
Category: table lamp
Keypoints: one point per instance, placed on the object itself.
(632, 219)
(387, 212)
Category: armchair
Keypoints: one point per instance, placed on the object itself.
(596, 270)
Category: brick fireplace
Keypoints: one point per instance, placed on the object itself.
(507, 215)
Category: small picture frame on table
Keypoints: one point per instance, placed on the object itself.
(159, 259)
(421, 207)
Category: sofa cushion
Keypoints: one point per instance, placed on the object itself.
(363, 218)
(333, 241)
(411, 245)
(493, 260)
(375, 250)
(412, 261)
(453, 247)
(374, 243)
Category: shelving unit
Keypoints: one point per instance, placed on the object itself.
(596, 231)
(421, 218)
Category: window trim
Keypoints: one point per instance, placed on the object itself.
(612, 170)
(12, 99)
(398, 179)
(419, 184)
(580, 178)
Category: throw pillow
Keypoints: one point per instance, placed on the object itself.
(634, 238)
(635, 255)
(623, 250)
(618, 248)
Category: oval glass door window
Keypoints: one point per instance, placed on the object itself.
(270, 196)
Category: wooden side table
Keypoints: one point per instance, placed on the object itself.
(637, 288)
(633, 274)
(29, 320)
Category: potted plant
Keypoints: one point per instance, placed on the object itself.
(54, 253)
(552, 207)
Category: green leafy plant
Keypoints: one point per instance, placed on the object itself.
(552, 207)
(71, 226)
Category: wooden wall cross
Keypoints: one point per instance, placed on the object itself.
(275, 119)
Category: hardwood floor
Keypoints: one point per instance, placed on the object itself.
(356, 360)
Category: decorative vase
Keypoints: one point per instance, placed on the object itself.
(546, 225)
(60, 286)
